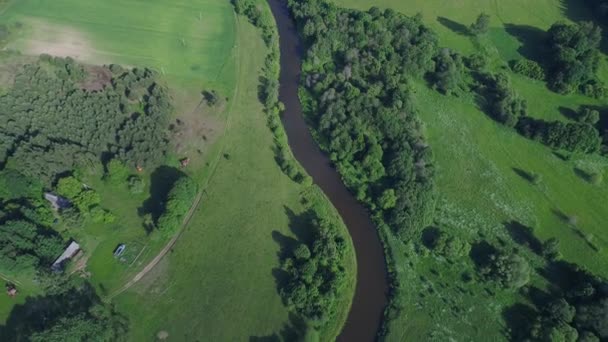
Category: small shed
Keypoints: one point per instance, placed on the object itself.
(57, 202)
(69, 252)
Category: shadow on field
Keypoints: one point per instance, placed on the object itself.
(292, 330)
(454, 26)
(528, 176)
(524, 236)
(568, 113)
(532, 39)
(40, 312)
(518, 318)
(577, 11)
(161, 182)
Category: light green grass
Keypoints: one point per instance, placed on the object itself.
(218, 282)
(478, 189)
(187, 40)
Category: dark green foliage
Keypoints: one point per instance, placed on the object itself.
(178, 202)
(448, 76)
(356, 88)
(476, 61)
(575, 56)
(505, 105)
(570, 136)
(550, 249)
(481, 25)
(49, 125)
(68, 312)
(315, 273)
(577, 309)
(508, 269)
(589, 116)
(529, 69)
(24, 246)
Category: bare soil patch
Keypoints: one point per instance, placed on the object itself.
(97, 78)
(57, 40)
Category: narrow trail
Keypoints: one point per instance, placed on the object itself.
(199, 195)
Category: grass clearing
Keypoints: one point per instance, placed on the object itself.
(480, 189)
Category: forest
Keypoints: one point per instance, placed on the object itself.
(50, 123)
(357, 96)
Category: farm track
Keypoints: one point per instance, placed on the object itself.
(199, 195)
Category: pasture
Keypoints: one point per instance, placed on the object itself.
(220, 281)
(481, 189)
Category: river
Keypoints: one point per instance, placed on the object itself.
(370, 297)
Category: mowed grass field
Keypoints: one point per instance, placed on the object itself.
(479, 190)
(219, 283)
(186, 40)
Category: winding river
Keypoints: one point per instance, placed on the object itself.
(371, 292)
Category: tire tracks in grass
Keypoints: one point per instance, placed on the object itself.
(203, 188)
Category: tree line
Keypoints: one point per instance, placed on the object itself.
(356, 79)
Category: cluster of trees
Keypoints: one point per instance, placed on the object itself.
(448, 245)
(26, 241)
(356, 88)
(504, 104)
(177, 204)
(508, 108)
(576, 311)
(315, 273)
(507, 268)
(70, 311)
(448, 77)
(575, 58)
(570, 136)
(27, 246)
(85, 202)
(49, 124)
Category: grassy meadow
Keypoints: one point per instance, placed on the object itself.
(220, 281)
(482, 195)
(224, 268)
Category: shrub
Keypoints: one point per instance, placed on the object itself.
(509, 269)
(116, 172)
(178, 203)
(589, 116)
(136, 184)
(448, 76)
(529, 69)
(481, 25)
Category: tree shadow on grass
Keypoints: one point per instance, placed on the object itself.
(481, 252)
(518, 318)
(161, 182)
(568, 113)
(524, 236)
(454, 26)
(532, 39)
(292, 330)
(40, 312)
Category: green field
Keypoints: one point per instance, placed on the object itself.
(219, 282)
(479, 190)
(188, 40)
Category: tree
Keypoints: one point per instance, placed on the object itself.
(481, 25)
(589, 116)
(449, 72)
(69, 187)
(509, 269)
(551, 249)
(136, 184)
(575, 55)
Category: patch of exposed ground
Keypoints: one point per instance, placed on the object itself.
(97, 78)
(57, 40)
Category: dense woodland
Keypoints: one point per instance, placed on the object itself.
(50, 123)
(356, 76)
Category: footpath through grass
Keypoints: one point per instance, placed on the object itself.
(481, 193)
(220, 281)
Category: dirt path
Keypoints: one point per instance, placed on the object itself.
(199, 195)
(163, 252)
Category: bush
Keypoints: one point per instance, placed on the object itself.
(529, 69)
(450, 246)
(448, 76)
(116, 172)
(507, 268)
(589, 116)
(481, 25)
(178, 203)
(505, 105)
(136, 184)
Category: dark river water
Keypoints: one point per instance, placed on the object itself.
(371, 294)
